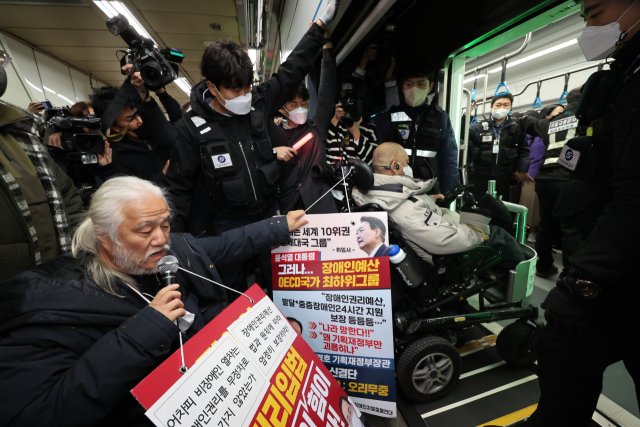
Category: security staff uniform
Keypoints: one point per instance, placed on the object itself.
(495, 153)
(226, 163)
(552, 177)
(426, 134)
(571, 356)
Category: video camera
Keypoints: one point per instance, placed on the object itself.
(74, 138)
(157, 66)
(351, 103)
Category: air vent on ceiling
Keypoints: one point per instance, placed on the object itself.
(45, 2)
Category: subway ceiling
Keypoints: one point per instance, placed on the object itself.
(75, 31)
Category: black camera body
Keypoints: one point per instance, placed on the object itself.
(75, 138)
(158, 67)
(351, 104)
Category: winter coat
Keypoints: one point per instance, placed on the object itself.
(428, 228)
(536, 153)
(71, 352)
(17, 251)
(185, 174)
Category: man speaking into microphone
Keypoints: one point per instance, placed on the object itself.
(80, 331)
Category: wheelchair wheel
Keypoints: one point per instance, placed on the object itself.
(513, 344)
(428, 369)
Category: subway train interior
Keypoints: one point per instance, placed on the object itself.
(61, 50)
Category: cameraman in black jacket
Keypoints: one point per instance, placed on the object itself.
(223, 144)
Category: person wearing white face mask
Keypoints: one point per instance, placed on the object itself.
(420, 126)
(224, 172)
(599, 294)
(298, 188)
(497, 148)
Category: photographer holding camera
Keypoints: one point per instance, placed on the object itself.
(299, 187)
(132, 155)
(39, 205)
(348, 137)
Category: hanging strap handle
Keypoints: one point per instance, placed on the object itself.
(475, 82)
(563, 97)
(503, 80)
(538, 102)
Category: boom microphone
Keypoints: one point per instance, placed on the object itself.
(168, 266)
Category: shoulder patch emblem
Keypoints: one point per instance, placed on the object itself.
(198, 121)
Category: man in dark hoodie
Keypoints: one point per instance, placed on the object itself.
(422, 128)
(223, 158)
(79, 332)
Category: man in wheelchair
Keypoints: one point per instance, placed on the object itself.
(429, 229)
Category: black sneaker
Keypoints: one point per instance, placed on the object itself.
(552, 271)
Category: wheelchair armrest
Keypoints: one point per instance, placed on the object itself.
(442, 260)
(369, 207)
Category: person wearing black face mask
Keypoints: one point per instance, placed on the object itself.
(600, 293)
(496, 148)
(421, 127)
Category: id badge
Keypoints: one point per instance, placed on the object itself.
(221, 161)
(496, 148)
(487, 138)
(569, 158)
(404, 131)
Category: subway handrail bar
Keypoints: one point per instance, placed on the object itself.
(555, 76)
(527, 40)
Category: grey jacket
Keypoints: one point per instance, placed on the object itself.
(428, 228)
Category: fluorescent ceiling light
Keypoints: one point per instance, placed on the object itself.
(184, 84)
(254, 55)
(535, 55)
(113, 8)
(48, 90)
(66, 99)
(33, 86)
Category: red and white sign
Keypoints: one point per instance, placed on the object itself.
(247, 367)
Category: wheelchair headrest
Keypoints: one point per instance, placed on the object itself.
(362, 175)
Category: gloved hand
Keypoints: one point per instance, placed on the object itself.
(567, 313)
(477, 218)
(330, 12)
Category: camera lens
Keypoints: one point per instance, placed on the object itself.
(89, 143)
(151, 73)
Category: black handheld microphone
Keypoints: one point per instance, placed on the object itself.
(168, 266)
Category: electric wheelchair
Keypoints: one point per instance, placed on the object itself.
(430, 318)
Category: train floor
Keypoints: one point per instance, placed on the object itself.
(489, 392)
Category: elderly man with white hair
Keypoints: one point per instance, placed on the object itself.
(78, 332)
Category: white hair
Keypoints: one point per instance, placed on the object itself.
(104, 216)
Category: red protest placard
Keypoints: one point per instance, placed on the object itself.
(247, 367)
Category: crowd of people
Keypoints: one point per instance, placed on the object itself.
(219, 181)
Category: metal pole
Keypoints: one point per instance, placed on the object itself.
(485, 101)
(527, 40)
(491, 190)
(521, 219)
(467, 123)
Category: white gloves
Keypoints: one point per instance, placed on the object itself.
(330, 12)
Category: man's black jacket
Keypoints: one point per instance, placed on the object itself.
(609, 257)
(71, 352)
(146, 159)
(185, 170)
